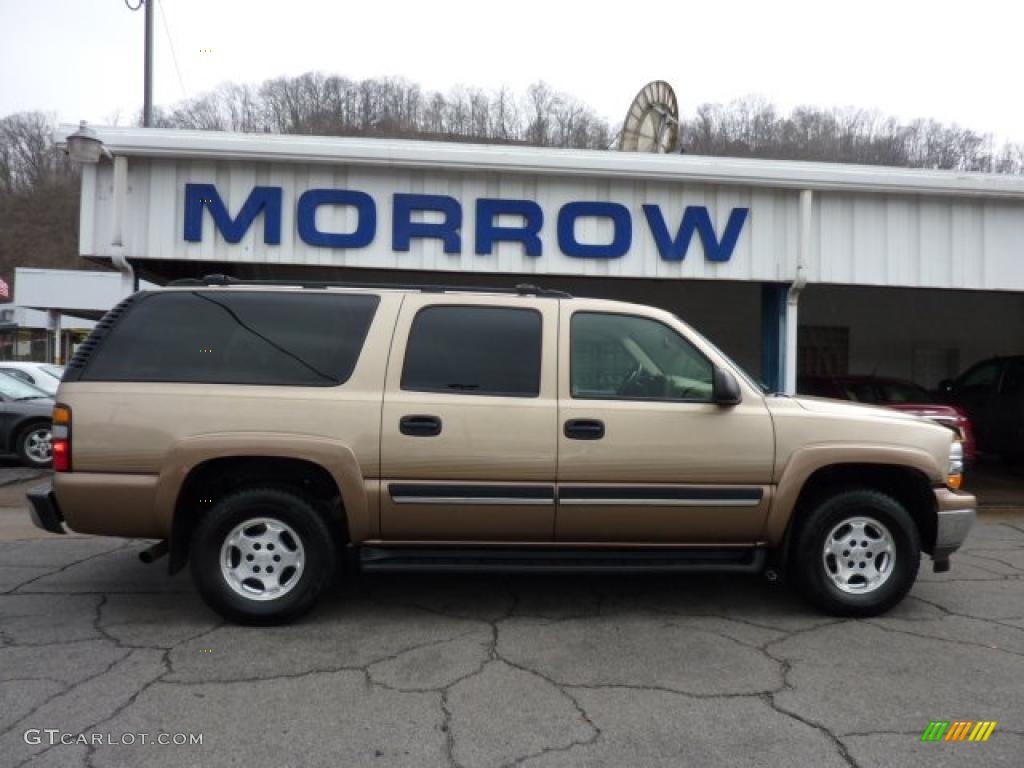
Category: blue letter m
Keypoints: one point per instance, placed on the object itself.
(695, 218)
(261, 199)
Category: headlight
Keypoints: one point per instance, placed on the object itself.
(955, 473)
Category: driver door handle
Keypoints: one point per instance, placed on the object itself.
(420, 426)
(584, 429)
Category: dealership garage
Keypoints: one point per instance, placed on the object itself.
(792, 268)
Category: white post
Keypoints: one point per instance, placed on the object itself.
(120, 202)
(55, 325)
(793, 295)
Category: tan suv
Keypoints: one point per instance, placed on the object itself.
(262, 431)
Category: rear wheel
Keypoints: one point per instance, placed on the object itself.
(262, 556)
(34, 446)
(857, 553)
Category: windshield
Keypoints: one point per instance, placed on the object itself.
(16, 389)
(755, 383)
(896, 392)
(56, 371)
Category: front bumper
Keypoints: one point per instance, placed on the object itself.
(956, 513)
(44, 510)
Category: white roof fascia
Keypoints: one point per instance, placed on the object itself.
(498, 158)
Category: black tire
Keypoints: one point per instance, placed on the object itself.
(29, 450)
(1014, 459)
(314, 544)
(812, 572)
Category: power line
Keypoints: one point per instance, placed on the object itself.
(170, 44)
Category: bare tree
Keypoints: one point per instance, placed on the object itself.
(540, 101)
(27, 155)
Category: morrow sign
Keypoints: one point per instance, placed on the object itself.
(408, 212)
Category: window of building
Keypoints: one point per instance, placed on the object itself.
(220, 337)
(628, 357)
(474, 351)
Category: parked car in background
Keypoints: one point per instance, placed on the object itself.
(43, 376)
(992, 394)
(898, 394)
(25, 416)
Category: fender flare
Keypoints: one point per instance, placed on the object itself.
(335, 457)
(804, 462)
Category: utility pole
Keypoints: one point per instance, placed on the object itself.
(147, 95)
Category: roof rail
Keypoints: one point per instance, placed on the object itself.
(522, 289)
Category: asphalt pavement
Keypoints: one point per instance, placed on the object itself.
(616, 671)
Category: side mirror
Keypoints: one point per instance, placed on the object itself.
(725, 390)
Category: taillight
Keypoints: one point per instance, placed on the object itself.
(60, 440)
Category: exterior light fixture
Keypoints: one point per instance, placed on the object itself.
(84, 146)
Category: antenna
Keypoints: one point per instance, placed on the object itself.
(652, 122)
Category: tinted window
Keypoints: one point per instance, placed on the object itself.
(474, 351)
(980, 378)
(623, 356)
(219, 337)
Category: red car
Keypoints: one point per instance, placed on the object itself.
(893, 393)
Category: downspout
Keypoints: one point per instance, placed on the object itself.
(120, 200)
(795, 289)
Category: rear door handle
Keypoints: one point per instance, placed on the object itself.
(420, 426)
(584, 429)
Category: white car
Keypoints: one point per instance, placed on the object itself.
(43, 376)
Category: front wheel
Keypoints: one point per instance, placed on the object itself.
(262, 556)
(856, 553)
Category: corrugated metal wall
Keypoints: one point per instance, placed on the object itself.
(858, 238)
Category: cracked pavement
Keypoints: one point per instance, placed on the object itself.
(508, 671)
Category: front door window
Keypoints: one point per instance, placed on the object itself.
(635, 358)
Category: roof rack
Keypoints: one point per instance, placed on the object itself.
(522, 289)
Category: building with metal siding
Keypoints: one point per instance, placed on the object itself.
(852, 234)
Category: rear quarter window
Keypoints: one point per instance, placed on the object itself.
(297, 339)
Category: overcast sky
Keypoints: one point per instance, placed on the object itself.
(954, 61)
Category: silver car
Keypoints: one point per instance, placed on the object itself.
(44, 376)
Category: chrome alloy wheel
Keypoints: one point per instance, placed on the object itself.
(38, 446)
(859, 555)
(262, 559)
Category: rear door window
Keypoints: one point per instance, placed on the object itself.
(220, 337)
(474, 351)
